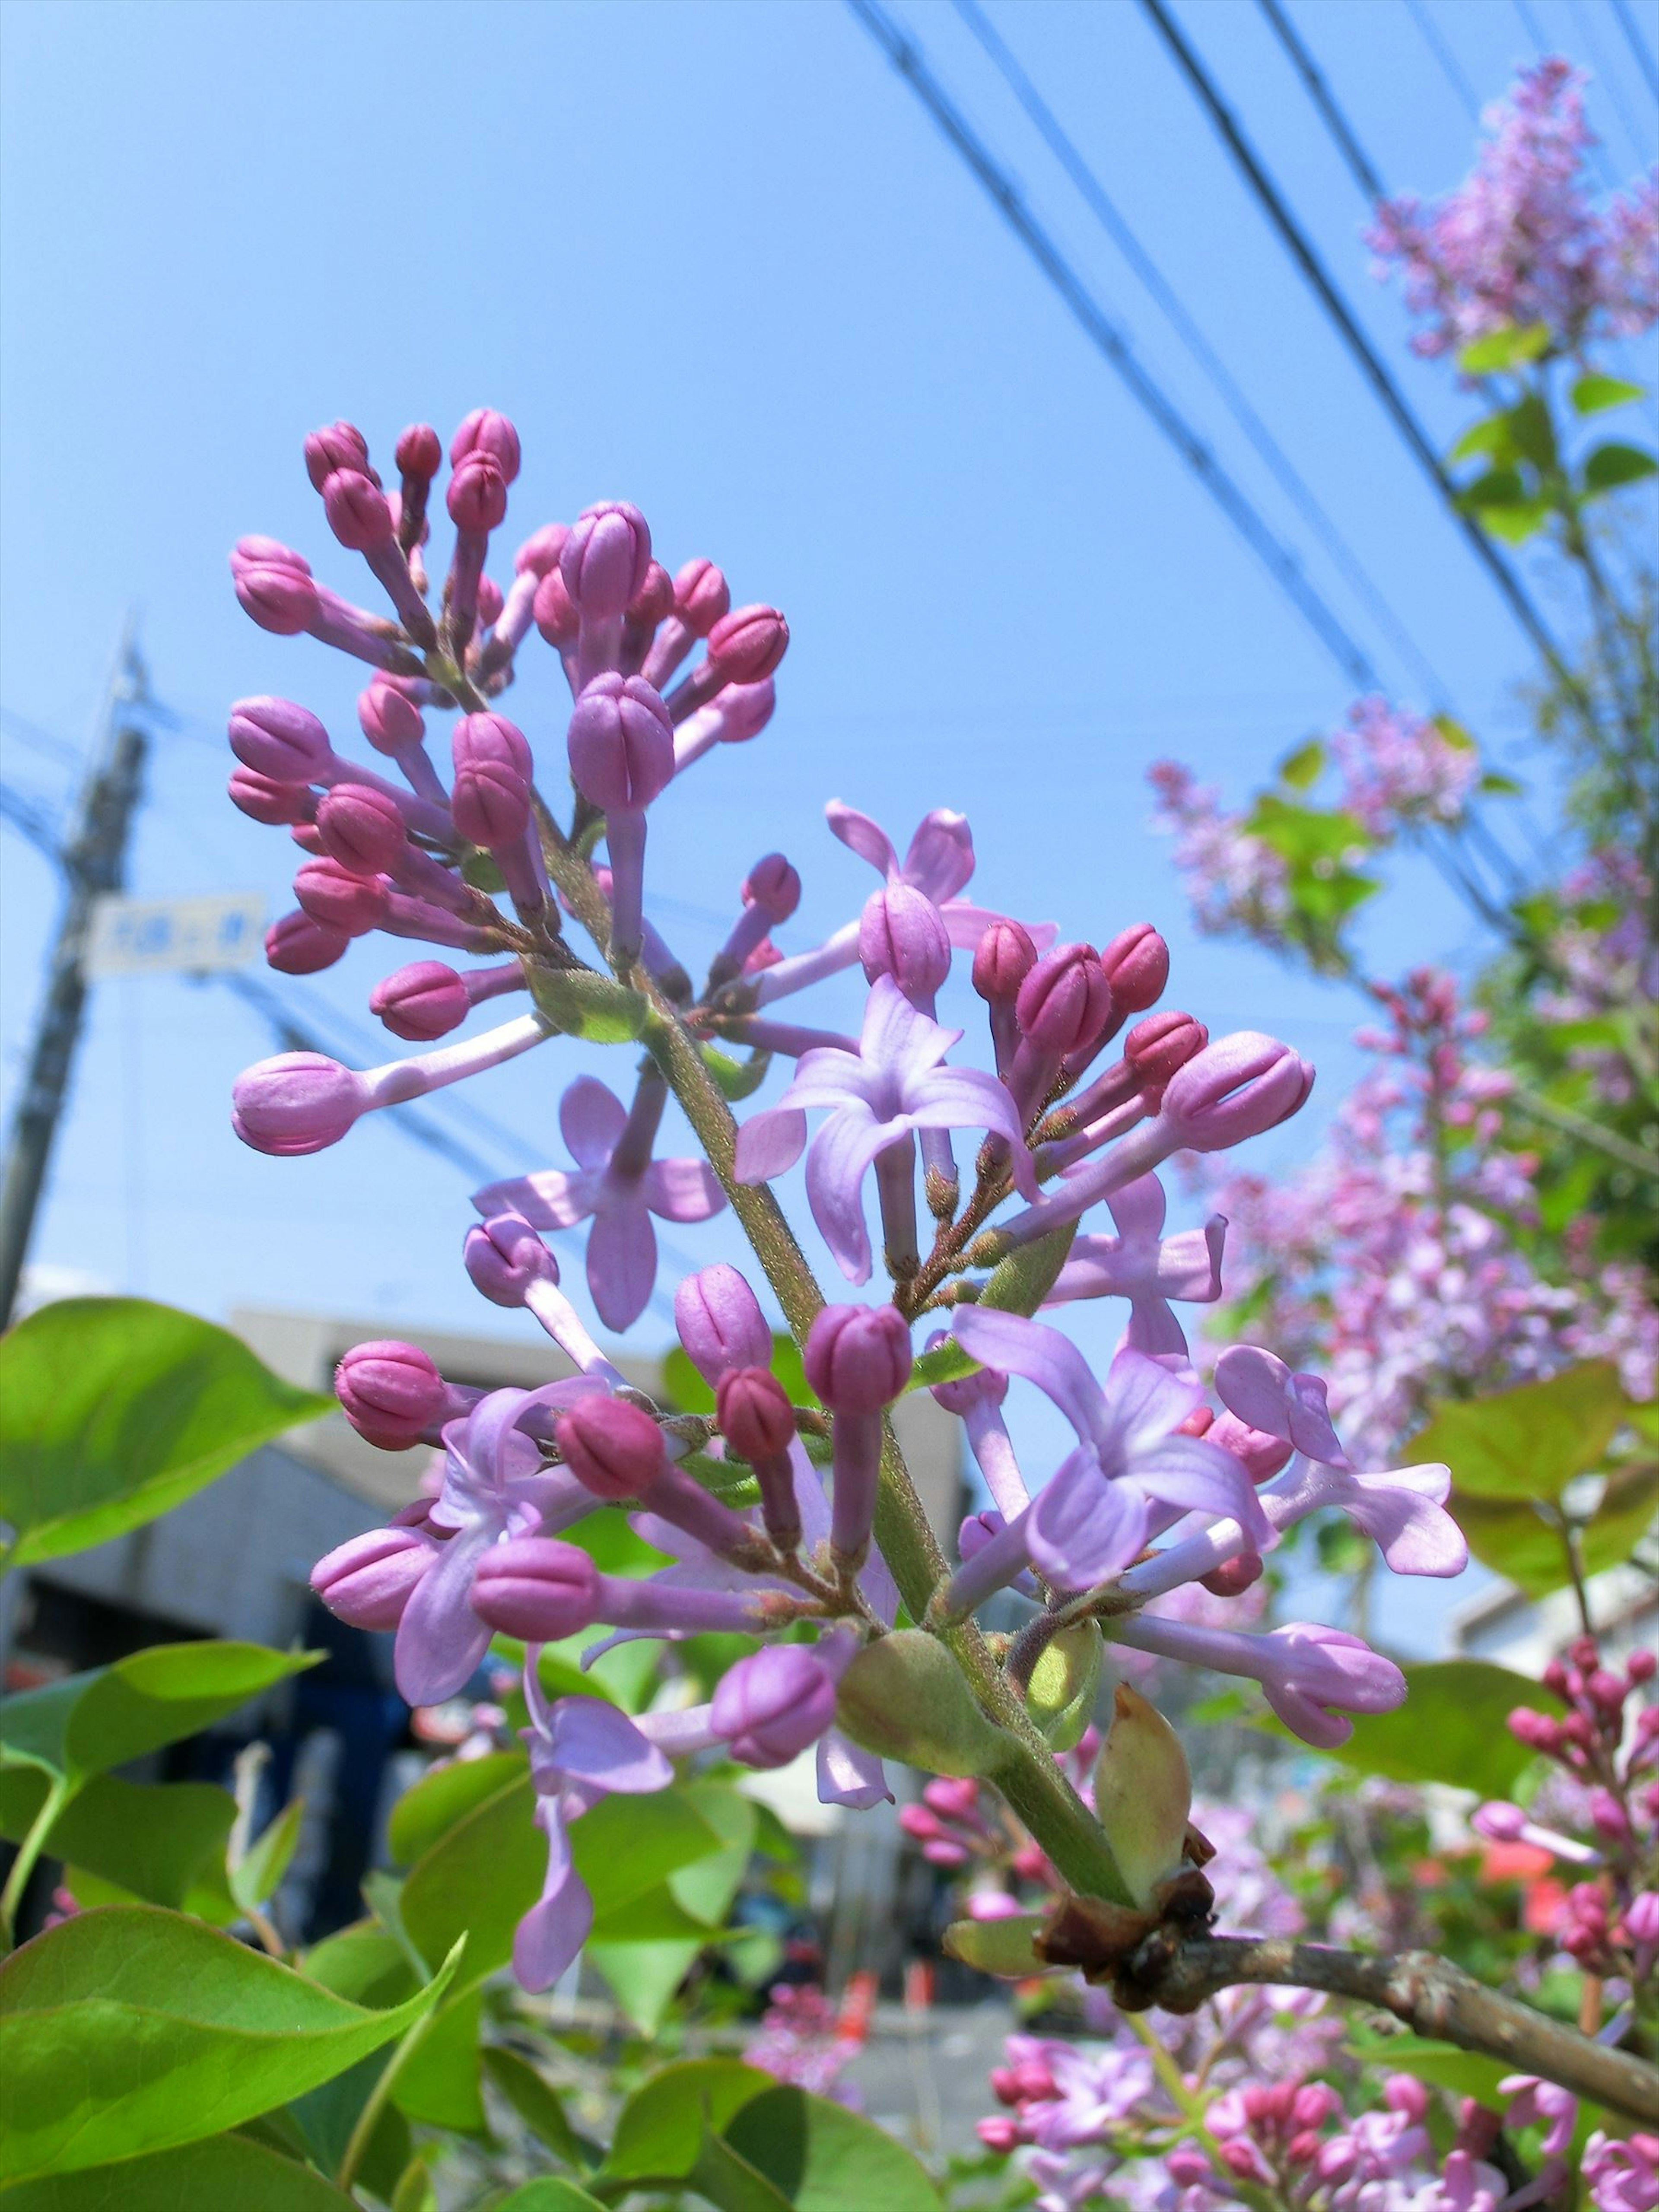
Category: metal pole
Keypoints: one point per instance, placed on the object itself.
(94, 856)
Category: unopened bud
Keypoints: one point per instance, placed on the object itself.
(702, 596)
(537, 1589)
(773, 1703)
(1066, 1000)
(1137, 966)
(263, 798)
(904, 1697)
(1234, 1089)
(358, 512)
(901, 934)
(1005, 957)
(368, 1580)
(605, 559)
(1156, 1047)
(611, 1447)
(490, 799)
(362, 829)
(390, 1392)
(505, 1258)
(748, 644)
(1061, 1695)
(720, 1322)
(773, 886)
(486, 431)
(621, 742)
(337, 446)
(1143, 1794)
(300, 945)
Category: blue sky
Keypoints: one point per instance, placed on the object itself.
(715, 259)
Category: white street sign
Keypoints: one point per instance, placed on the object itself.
(164, 936)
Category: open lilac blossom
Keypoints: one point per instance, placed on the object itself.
(617, 1184)
(1094, 1515)
(1313, 1676)
(494, 1485)
(895, 1084)
(1143, 1266)
(581, 1749)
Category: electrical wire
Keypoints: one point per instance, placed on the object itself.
(1376, 374)
(907, 58)
(1645, 62)
(1261, 438)
(1609, 80)
(1324, 99)
(1542, 45)
(1442, 53)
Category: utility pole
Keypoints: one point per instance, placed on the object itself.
(94, 861)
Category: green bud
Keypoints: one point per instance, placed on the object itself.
(1060, 1697)
(586, 1005)
(999, 1946)
(1020, 1283)
(904, 1697)
(1143, 1794)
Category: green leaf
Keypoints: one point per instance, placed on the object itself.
(1515, 521)
(265, 1863)
(438, 2084)
(824, 2158)
(660, 2130)
(1452, 1727)
(1490, 436)
(1020, 1283)
(87, 1722)
(430, 1807)
(1306, 835)
(905, 1697)
(152, 1839)
(729, 2183)
(114, 1410)
(1529, 1442)
(548, 2193)
(414, 2191)
(1304, 767)
(1592, 393)
(1445, 2065)
(1504, 348)
(1500, 787)
(1612, 465)
(644, 1976)
(1534, 432)
(998, 1946)
(653, 1916)
(735, 1078)
(586, 1005)
(132, 2029)
(946, 1362)
(706, 1886)
(537, 2104)
(1512, 1537)
(224, 2171)
(627, 1846)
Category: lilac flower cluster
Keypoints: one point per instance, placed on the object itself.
(1607, 1921)
(1390, 1257)
(1233, 879)
(1087, 1092)
(1606, 953)
(1521, 242)
(1401, 770)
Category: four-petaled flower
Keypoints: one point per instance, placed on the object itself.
(581, 1749)
(617, 1182)
(1095, 1513)
(893, 1085)
(1148, 1268)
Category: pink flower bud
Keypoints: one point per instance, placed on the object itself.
(702, 597)
(491, 799)
(953, 1797)
(1641, 1920)
(1187, 2166)
(1137, 966)
(1607, 1690)
(491, 600)
(771, 1705)
(1005, 957)
(390, 1392)
(488, 432)
(368, 1580)
(858, 1358)
(359, 513)
(537, 1589)
(477, 497)
(362, 829)
(506, 1259)
(263, 798)
(1534, 1729)
(1501, 1823)
(389, 719)
(555, 617)
(748, 644)
(421, 1002)
(754, 1415)
(720, 1323)
(304, 835)
(605, 559)
(1156, 1047)
(621, 742)
(773, 886)
(1263, 1456)
(539, 554)
(744, 710)
(901, 934)
(299, 945)
(1005, 2087)
(279, 739)
(611, 1447)
(419, 452)
(337, 446)
(1236, 1577)
(299, 1102)
(999, 2135)
(280, 598)
(1642, 1665)
(654, 600)
(1066, 1000)
(1236, 1089)
(340, 899)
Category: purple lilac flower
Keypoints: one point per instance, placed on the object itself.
(896, 1085)
(617, 1184)
(1143, 1266)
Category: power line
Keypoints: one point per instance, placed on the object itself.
(1109, 341)
(1442, 53)
(1384, 385)
(1319, 93)
(1645, 62)
(1542, 45)
(1113, 221)
(1610, 83)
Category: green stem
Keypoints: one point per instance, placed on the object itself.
(1192, 2109)
(1575, 1124)
(374, 2105)
(28, 1854)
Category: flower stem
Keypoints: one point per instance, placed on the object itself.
(28, 1855)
